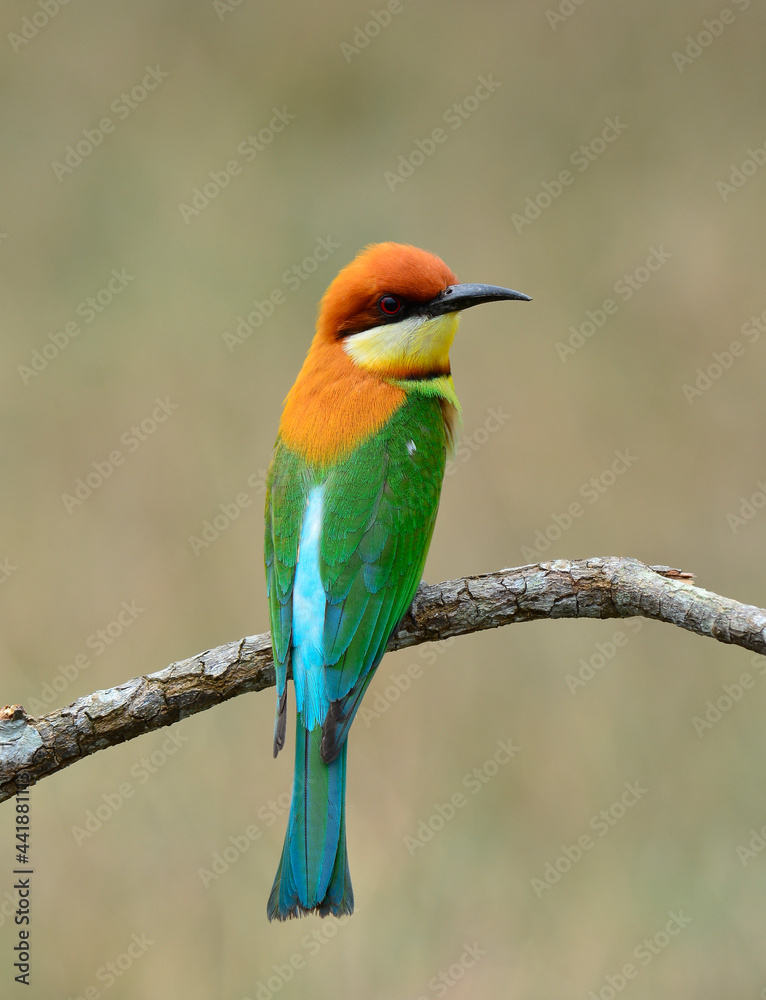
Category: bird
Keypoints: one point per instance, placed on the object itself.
(352, 495)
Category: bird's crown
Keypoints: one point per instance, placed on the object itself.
(384, 283)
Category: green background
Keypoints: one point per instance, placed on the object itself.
(689, 121)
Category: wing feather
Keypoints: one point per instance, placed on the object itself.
(285, 502)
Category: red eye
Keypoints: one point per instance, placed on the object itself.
(389, 305)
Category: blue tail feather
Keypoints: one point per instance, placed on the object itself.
(313, 873)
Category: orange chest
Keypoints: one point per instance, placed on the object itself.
(334, 405)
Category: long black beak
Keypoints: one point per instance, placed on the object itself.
(458, 297)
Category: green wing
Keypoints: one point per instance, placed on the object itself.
(285, 501)
(379, 514)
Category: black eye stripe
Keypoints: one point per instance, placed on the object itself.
(391, 309)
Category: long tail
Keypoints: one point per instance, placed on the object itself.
(313, 873)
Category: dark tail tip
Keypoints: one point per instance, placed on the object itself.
(343, 908)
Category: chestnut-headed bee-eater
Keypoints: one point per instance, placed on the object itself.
(353, 491)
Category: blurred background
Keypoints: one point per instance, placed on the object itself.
(180, 182)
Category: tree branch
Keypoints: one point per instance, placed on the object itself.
(32, 748)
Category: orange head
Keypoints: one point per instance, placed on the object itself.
(394, 310)
(382, 270)
(386, 322)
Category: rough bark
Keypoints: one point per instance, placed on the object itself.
(32, 748)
